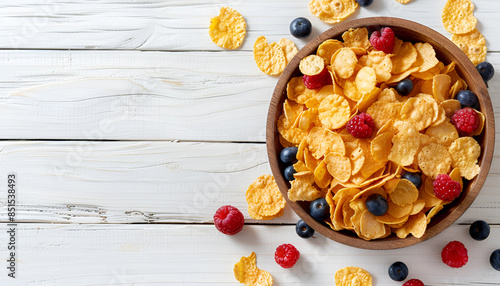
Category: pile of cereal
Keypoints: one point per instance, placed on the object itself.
(367, 116)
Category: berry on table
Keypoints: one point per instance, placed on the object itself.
(317, 81)
(300, 27)
(361, 125)
(414, 178)
(468, 98)
(384, 40)
(486, 70)
(376, 204)
(445, 188)
(404, 87)
(364, 3)
(289, 155)
(495, 259)
(465, 120)
(229, 220)
(303, 229)
(319, 209)
(398, 271)
(479, 230)
(288, 173)
(454, 254)
(414, 282)
(286, 255)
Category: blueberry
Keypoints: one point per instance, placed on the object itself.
(364, 3)
(414, 178)
(467, 99)
(303, 230)
(404, 87)
(376, 204)
(288, 173)
(495, 259)
(398, 271)
(486, 70)
(319, 209)
(289, 155)
(300, 27)
(479, 230)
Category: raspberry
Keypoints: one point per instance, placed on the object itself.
(286, 255)
(229, 220)
(317, 81)
(413, 282)
(383, 41)
(466, 120)
(454, 254)
(445, 188)
(361, 125)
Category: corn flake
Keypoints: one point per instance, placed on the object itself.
(458, 16)
(228, 29)
(270, 58)
(264, 198)
(246, 272)
(473, 44)
(352, 276)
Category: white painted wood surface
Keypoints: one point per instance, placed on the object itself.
(127, 128)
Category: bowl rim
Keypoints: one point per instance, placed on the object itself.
(464, 67)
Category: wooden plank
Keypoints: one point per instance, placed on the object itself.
(50, 254)
(152, 182)
(182, 25)
(133, 96)
(126, 95)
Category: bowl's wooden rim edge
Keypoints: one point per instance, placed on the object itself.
(471, 76)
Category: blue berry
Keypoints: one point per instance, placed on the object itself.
(398, 271)
(288, 173)
(467, 99)
(319, 209)
(303, 230)
(376, 204)
(495, 259)
(414, 178)
(364, 3)
(289, 155)
(300, 27)
(404, 87)
(486, 70)
(479, 230)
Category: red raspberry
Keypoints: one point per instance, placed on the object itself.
(229, 220)
(383, 41)
(454, 254)
(413, 282)
(317, 81)
(445, 188)
(286, 255)
(466, 120)
(361, 125)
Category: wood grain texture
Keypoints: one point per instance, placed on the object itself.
(182, 25)
(152, 182)
(200, 255)
(133, 96)
(126, 95)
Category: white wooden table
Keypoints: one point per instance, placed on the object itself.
(126, 128)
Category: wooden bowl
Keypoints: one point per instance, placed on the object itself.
(447, 52)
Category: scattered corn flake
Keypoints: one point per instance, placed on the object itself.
(264, 198)
(246, 272)
(228, 29)
(270, 58)
(458, 16)
(353, 276)
(473, 44)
